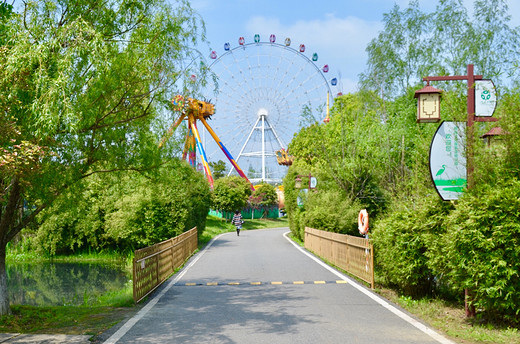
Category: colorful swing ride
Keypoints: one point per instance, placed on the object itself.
(194, 110)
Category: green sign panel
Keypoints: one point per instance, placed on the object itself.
(448, 160)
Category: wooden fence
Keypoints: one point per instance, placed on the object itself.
(352, 254)
(154, 264)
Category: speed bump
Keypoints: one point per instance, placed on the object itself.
(193, 284)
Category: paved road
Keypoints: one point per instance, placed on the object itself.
(261, 288)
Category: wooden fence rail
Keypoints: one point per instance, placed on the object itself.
(153, 265)
(352, 254)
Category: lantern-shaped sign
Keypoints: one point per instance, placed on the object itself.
(287, 42)
(241, 41)
(298, 183)
(272, 38)
(315, 57)
(302, 48)
(428, 104)
(227, 46)
(257, 38)
(213, 55)
(325, 69)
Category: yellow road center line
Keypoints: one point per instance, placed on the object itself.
(276, 283)
(234, 283)
(319, 282)
(212, 283)
(256, 283)
(341, 282)
(191, 284)
(298, 282)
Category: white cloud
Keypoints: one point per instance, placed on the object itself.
(339, 42)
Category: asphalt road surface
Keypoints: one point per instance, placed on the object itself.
(259, 287)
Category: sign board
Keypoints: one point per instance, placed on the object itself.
(313, 182)
(302, 197)
(448, 160)
(485, 98)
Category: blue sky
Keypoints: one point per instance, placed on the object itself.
(338, 30)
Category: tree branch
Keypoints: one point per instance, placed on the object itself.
(126, 120)
(25, 22)
(139, 170)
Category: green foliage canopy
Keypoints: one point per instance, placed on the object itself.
(218, 169)
(264, 196)
(230, 193)
(125, 211)
(414, 44)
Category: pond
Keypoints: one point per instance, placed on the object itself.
(58, 284)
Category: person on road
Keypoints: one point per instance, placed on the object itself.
(237, 221)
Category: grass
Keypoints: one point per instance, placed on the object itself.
(450, 319)
(62, 319)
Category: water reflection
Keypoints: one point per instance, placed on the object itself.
(57, 284)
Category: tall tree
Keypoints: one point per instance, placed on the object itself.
(451, 25)
(497, 44)
(81, 86)
(414, 44)
(396, 55)
(218, 168)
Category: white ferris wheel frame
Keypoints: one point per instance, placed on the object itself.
(262, 123)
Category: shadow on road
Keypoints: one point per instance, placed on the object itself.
(223, 314)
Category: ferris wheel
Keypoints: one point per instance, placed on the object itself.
(263, 92)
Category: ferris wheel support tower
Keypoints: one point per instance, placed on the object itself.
(262, 124)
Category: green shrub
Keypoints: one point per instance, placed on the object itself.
(402, 243)
(331, 211)
(297, 224)
(125, 211)
(290, 201)
(482, 249)
(322, 208)
(230, 194)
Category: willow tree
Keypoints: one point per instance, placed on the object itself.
(82, 85)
